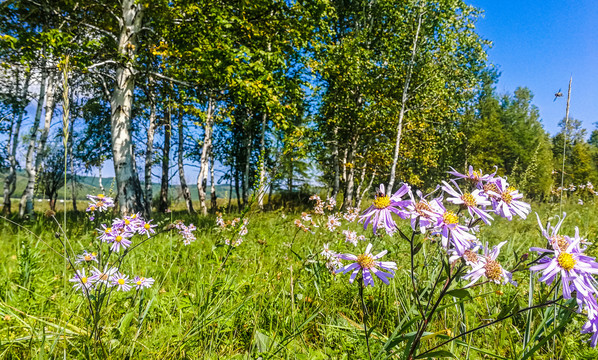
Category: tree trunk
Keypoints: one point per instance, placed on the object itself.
(10, 182)
(100, 179)
(214, 204)
(344, 162)
(404, 99)
(361, 180)
(26, 204)
(263, 186)
(365, 190)
(246, 173)
(184, 187)
(230, 189)
(237, 189)
(335, 165)
(206, 150)
(149, 152)
(163, 204)
(121, 101)
(350, 179)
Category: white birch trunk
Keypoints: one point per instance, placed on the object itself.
(183, 181)
(335, 165)
(163, 204)
(26, 203)
(404, 99)
(214, 204)
(262, 184)
(121, 101)
(206, 150)
(10, 182)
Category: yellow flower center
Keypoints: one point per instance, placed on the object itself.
(146, 226)
(493, 270)
(507, 197)
(104, 277)
(121, 281)
(511, 189)
(491, 187)
(468, 200)
(450, 218)
(92, 208)
(100, 196)
(134, 216)
(87, 258)
(566, 261)
(100, 203)
(108, 230)
(84, 280)
(476, 175)
(127, 221)
(560, 242)
(118, 238)
(138, 282)
(381, 202)
(420, 207)
(94, 254)
(366, 261)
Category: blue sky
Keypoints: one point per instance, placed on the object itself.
(540, 44)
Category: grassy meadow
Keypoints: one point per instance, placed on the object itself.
(273, 299)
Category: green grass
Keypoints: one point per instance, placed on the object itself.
(269, 300)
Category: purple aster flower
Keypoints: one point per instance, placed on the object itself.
(147, 228)
(571, 264)
(469, 200)
(333, 222)
(470, 256)
(121, 241)
(350, 237)
(81, 281)
(99, 203)
(423, 212)
(141, 282)
(490, 268)
(505, 200)
(121, 281)
(380, 212)
(103, 276)
(86, 257)
(367, 264)
(477, 178)
(591, 326)
(447, 225)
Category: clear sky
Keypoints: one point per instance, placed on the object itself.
(540, 44)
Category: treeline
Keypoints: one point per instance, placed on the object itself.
(261, 95)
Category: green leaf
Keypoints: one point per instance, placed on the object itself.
(459, 293)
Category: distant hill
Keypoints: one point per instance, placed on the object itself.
(91, 185)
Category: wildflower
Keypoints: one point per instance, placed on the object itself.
(314, 197)
(187, 231)
(99, 203)
(477, 178)
(333, 264)
(121, 241)
(86, 257)
(103, 276)
(146, 228)
(572, 187)
(333, 223)
(447, 225)
(580, 202)
(331, 203)
(571, 264)
(423, 212)
(505, 201)
(351, 214)
(235, 243)
(305, 216)
(243, 231)
(327, 253)
(220, 221)
(489, 267)
(81, 281)
(367, 264)
(142, 282)
(469, 200)
(591, 326)
(469, 256)
(361, 238)
(380, 212)
(350, 237)
(121, 281)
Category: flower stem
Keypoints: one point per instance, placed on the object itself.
(365, 318)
